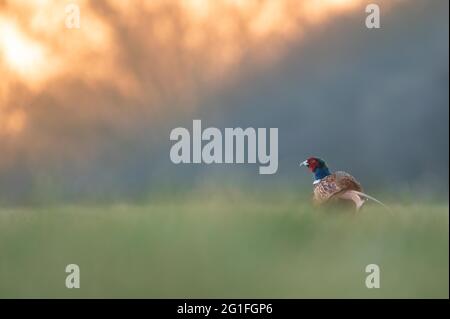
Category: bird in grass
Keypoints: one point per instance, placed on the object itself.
(338, 185)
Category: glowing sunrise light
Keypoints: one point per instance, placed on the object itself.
(21, 54)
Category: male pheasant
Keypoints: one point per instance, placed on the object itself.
(337, 185)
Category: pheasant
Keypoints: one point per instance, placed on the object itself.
(337, 185)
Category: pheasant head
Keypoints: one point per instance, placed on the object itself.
(317, 166)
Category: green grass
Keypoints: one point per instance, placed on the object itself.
(231, 245)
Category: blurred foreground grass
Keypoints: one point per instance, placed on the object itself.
(226, 245)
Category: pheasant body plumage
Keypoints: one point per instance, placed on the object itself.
(333, 185)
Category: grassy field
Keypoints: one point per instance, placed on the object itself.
(223, 246)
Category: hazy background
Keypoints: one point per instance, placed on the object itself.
(86, 114)
(85, 174)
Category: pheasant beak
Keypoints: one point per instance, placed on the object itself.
(304, 163)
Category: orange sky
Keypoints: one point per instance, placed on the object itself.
(36, 48)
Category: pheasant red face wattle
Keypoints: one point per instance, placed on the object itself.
(312, 163)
